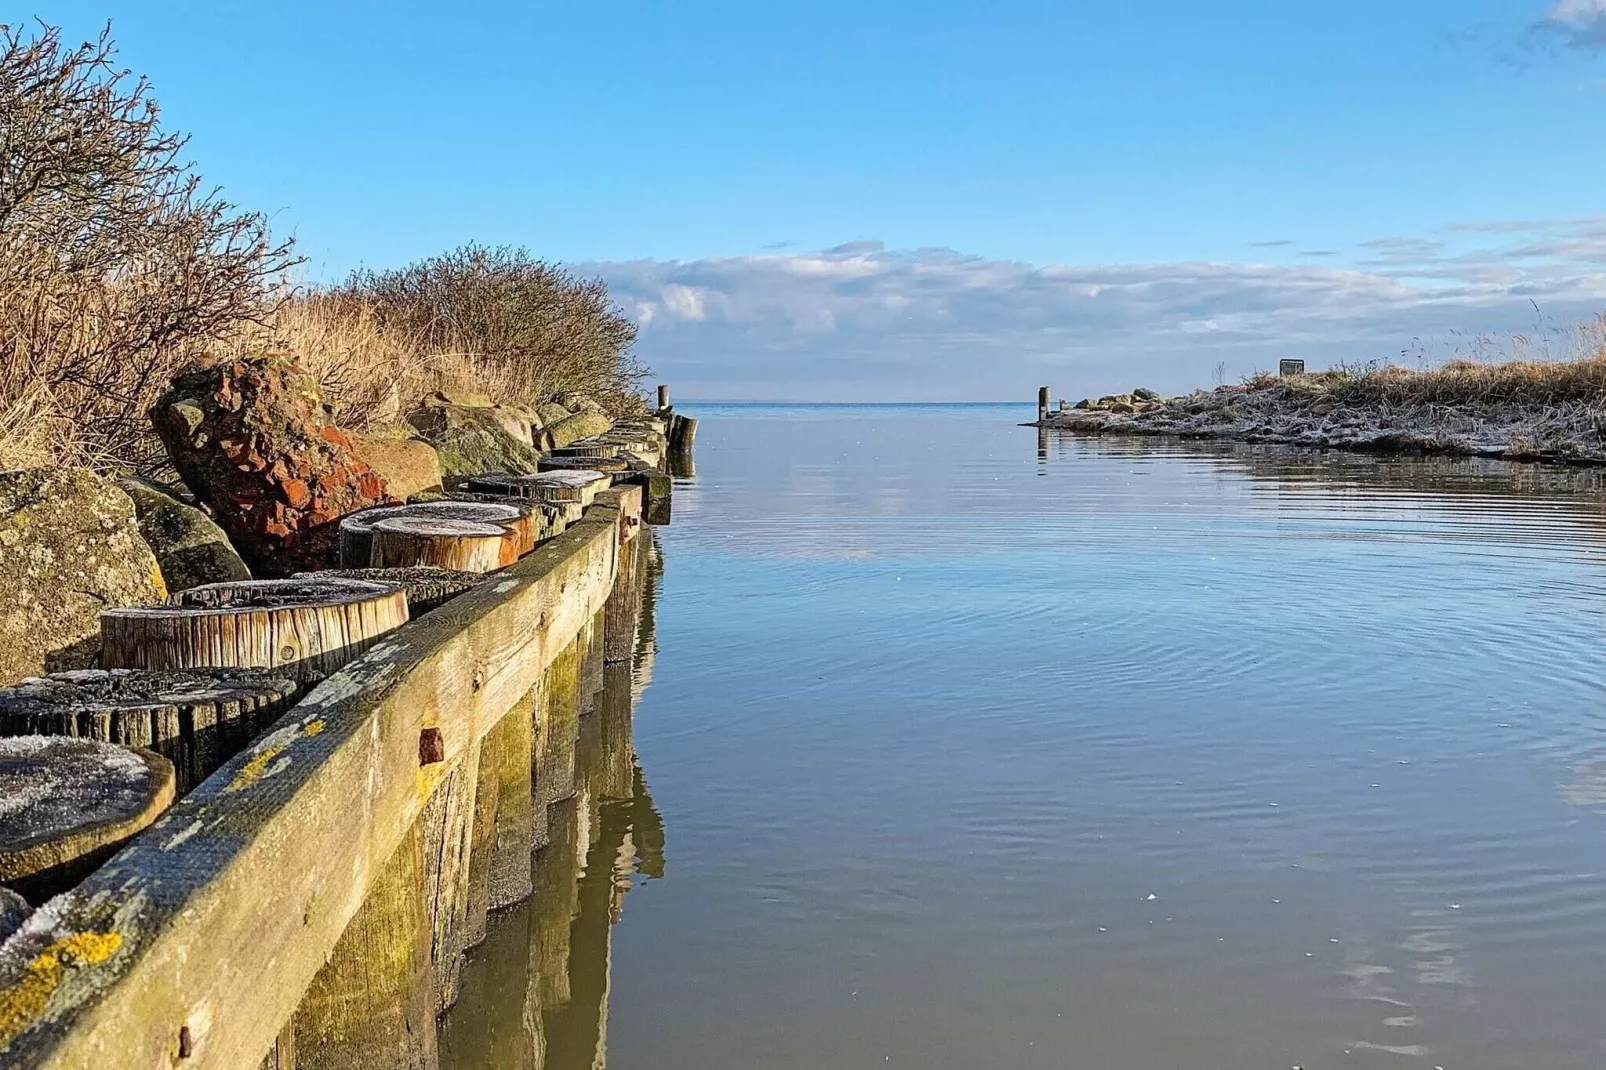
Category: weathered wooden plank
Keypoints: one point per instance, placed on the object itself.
(510, 858)
(373, 1003)
(447, 827)
(212, 923)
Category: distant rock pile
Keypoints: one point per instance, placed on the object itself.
(1304, 411)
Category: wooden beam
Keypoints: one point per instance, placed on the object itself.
(212, 923)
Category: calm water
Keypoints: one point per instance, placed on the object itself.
(959, 752)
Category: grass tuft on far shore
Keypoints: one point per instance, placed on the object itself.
(1460, 382)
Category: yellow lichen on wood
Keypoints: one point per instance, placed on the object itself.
(25, 999)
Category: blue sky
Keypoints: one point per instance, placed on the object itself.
(1386, 156)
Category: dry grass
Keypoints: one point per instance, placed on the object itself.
(372, 372)
(1527, 379)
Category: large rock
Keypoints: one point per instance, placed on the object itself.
(441, 412)
(255, 441)
(404, 461)
(473, 440)
(69, 547)
(191, 549)
(578, 425)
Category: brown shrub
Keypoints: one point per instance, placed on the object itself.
(117, 267)
(493, 318)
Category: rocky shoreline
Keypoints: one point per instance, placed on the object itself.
(1300, 412)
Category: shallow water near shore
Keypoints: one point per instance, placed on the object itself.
(965, 746)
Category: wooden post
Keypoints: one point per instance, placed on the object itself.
(623, 611)
(71, 804)
(357, 530)
(581, 486)
(593, 659)
(197, 719)
(510, 860)
(560, 726)
(448, 836)
(663, 398)
(309, 627)
(1042, 403)
(460, 545)
(373, 1004)
(482, 838)
(427, 587)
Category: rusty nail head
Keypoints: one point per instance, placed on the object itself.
(431, 747)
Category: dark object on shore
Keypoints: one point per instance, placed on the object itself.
(427, 588)
(196, 719)
(682, 432)
(309, 627)
(254, 440)
(1290, 367)
(71, 804)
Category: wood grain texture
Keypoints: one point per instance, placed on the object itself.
(357, 530)
(447, 830)
(426, 588)
(373, 1003)
(511, 845)
(195, 718)
(218, 917)
(308, 627)
(426, 542)
(574, 485)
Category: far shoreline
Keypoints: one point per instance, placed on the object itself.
(1532, 412)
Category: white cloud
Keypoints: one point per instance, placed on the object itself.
(861, 322)
(1582, 23)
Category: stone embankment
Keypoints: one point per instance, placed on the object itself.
(1302, 411)
(362, 755)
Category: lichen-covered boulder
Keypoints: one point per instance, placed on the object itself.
(583, 424)
(472, 440)
(69, 548)
(191, 549)
(406, 462)
(442, 413)
(255, 441)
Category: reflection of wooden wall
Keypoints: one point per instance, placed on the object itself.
(560, 968)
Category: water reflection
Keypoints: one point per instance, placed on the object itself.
(981, 750)
(535, 993)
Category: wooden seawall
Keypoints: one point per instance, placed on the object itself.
(308, 904)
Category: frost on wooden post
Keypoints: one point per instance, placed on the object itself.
(64, 803)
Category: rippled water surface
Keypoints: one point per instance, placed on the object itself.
(967, 750)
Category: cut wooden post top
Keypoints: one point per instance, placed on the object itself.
(573, 485)
(245, 595)
(446, 509)
(427, 586)
(95, 689)
(589, 447)
(584, 464)
(63, 799)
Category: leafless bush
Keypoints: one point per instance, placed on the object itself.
(116, 266)
(499, 316)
